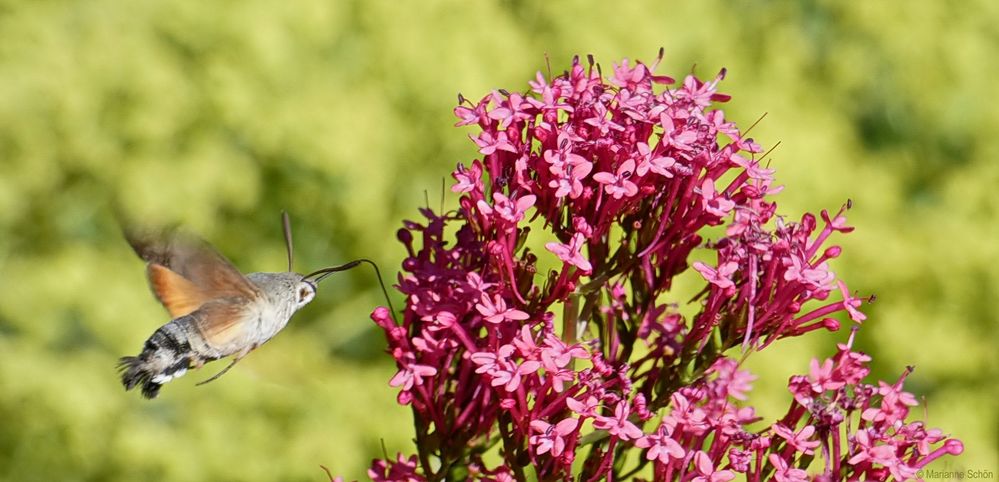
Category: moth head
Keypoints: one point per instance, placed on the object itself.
(304, 293)
(285, 289)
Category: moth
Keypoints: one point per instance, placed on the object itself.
(216, 311)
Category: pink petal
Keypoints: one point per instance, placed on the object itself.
(605, 178)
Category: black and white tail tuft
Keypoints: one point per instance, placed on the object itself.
(165, 356)
(135, 371)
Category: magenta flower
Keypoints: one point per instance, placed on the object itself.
(661, 446)
(714, 203)
(552, 437)
(570, 253)
(619, 185)
(509, 110)
(411, 374)
(401, 470)
(569, 176)
(821, 376)
(489, 143)
(701, 93)
(508, 209)
(650, 161)
(800, 441)
(501, 368)
(894, 405)
(468, 179)
(719, 277)
(850, 304)
(676, 137)
(584, 408)
(786, 473)
(706, 470)
(569, 169)
(731, 381)
(628, 181)
(618, 425)
(496, 311)
(814, 277)
(869, 450)
(556, 354)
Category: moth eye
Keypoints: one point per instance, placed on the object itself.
(303, 293)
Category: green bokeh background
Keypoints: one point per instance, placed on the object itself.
(219, 114)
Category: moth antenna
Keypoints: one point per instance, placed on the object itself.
(325, 272)
(286, 225)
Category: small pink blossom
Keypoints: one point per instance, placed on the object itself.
(470, 116)
(556, 354)
(552, 437)
(785, 473)
(618, 425)
(489, 143)
(560, 378)
(676, 137)
(411, 374)
(894, 405)
(496, 311)
(571, 253)
(800, 441)
(585, 408)
(510, 110)
(661, 446)
(569, 174)
(468, 179)
(715, 203)
(702, 93)
(510, 210)
(850, 303)
(402, 469)
(706, 470)
(752, 167)
(501, 369)
(650, 161)
(814, 277)
(720, 277)
(821, 376)
(618, 185)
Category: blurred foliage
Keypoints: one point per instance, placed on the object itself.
(217, 115)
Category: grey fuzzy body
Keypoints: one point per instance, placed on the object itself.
(180, 344)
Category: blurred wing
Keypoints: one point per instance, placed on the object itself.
(178, 295)
(223, 323)
(185, 272)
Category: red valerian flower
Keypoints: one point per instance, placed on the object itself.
(570, 253)
(706, 470)
(618, 426)
(801, 441)
(568, 370)
(661, 446)
(618, 184)
(552, 437)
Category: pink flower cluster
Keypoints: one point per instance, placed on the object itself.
(514, 373)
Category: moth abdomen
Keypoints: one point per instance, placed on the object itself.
(166, 355)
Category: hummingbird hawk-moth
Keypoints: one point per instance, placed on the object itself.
(216, 311)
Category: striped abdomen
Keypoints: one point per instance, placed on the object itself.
(166, 355)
